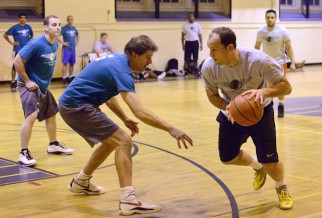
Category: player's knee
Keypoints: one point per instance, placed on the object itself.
(31, 118)
(126, 140)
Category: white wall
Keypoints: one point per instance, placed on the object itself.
(96, 16)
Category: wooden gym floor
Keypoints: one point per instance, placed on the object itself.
(186, 183)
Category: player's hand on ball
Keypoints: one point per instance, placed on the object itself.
(181, 137)
(257, 93)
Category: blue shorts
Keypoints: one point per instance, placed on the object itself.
(68, 57)
(263, 134)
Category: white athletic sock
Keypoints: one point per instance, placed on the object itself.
(127, 194)
(255, 164)
(82, 176)
(279, 184)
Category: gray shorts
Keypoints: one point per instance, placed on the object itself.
(89, 122)
(35, 100)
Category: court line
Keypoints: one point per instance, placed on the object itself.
(301, 108)
(230, 196)
(308, 112)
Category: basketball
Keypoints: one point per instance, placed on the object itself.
(246, 112)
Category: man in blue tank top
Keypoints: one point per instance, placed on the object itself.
(35, 65)
(70, 41)
(21, 33)
(98, 84)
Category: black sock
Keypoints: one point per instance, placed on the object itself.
(24, 149)
(54, 143)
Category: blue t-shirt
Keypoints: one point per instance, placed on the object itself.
(99, 81)
(69, 35)
(21, 34)
(40, 58)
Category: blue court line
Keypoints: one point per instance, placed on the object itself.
(233, 203)
(305, 106)
(12, 173)
(38, 174)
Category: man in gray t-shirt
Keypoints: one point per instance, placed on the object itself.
(228, 72)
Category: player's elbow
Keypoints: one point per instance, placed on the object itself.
(288, 89)
(138, 113)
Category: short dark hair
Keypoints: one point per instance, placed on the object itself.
(226, 35)
(103, 34)
(270, 11)
(46, 20)
(140, 45)
(22, 14)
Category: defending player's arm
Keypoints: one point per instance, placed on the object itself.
(114, 106)
(151, 119)
(21, 70)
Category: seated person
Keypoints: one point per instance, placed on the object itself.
(102, 46)
(149, 73)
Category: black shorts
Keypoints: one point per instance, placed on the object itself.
(191, 48)
(263, 134)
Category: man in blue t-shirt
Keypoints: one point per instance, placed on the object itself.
(70, 41)
(98, 84)
(21, 33)
(35, 66)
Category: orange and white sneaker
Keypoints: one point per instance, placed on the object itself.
(285, 200)
(86, 187)
(135, 206)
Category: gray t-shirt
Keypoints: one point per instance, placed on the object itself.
(253, 71)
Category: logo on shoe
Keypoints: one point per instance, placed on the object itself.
(138, 204)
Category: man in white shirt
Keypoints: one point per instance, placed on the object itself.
(276, 40)
(191, 39)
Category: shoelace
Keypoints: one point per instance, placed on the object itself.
(89, 183)
(285, 195)
(28, 155)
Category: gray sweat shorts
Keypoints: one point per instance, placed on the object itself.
(35, 100)
(89, 122)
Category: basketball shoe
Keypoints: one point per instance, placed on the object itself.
(26, 159)
(131, 205)
(285, 200)
(85, 186)
(259, 178)
(59, 149)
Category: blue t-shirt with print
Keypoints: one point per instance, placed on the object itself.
(69, 35)
(40, 58)
(99, 81)
(21, 34)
